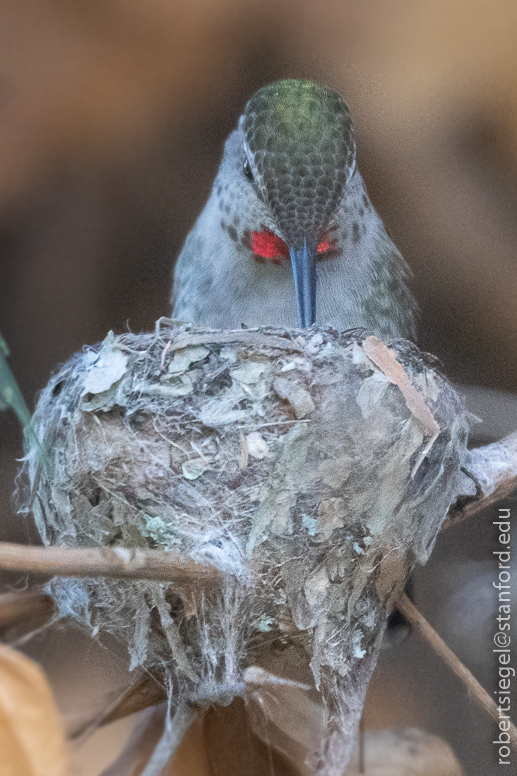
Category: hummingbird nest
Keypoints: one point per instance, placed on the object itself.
(312, 468)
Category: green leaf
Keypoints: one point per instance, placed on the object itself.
(11, 396)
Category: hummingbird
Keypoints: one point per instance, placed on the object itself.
(289, 236)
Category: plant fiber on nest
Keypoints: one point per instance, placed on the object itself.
(314, 469)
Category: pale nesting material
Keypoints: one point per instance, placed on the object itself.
(312, 468)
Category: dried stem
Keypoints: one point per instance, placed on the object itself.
(247, 337)
(172, 567)
(494, 469)
(105, 562)
(147, 690)
(458, 514)
(494, 466)
(476, 691)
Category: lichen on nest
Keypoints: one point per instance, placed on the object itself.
(312, 468)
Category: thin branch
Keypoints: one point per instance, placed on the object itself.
(117, 562)
(493, 467)
(153, 564)
(476, 691)
(458, 514)
(147, 690)
(494, 470)
(244, 336)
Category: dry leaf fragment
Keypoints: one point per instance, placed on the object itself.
(219, 411)
(186, 356)
(243, 455)
(177, 385)
(194, 468)
(250, 372)
(107, 367)
(385, 359)
(316, 587)
(298, 397)
(32, 740)
(256, 445)
(331, 515)
(255, 675)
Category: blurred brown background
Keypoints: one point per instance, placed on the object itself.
(113, 116)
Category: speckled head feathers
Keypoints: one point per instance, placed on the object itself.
(300, 147)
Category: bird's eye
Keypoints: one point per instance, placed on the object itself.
(247, 170)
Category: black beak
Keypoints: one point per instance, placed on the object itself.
(303, 262)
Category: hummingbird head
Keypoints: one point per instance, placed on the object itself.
(288, 203)
(299, 154)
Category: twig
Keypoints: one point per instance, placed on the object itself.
(146, 691)
(480, 695)
(149, 691)
(121, 562)
(361, 744)
(494, 469)
(458, 514)
(117, 562)
(256, 338)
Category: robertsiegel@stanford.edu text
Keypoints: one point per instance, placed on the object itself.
(502, 639)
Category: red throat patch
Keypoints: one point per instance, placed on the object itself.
(266, 245)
